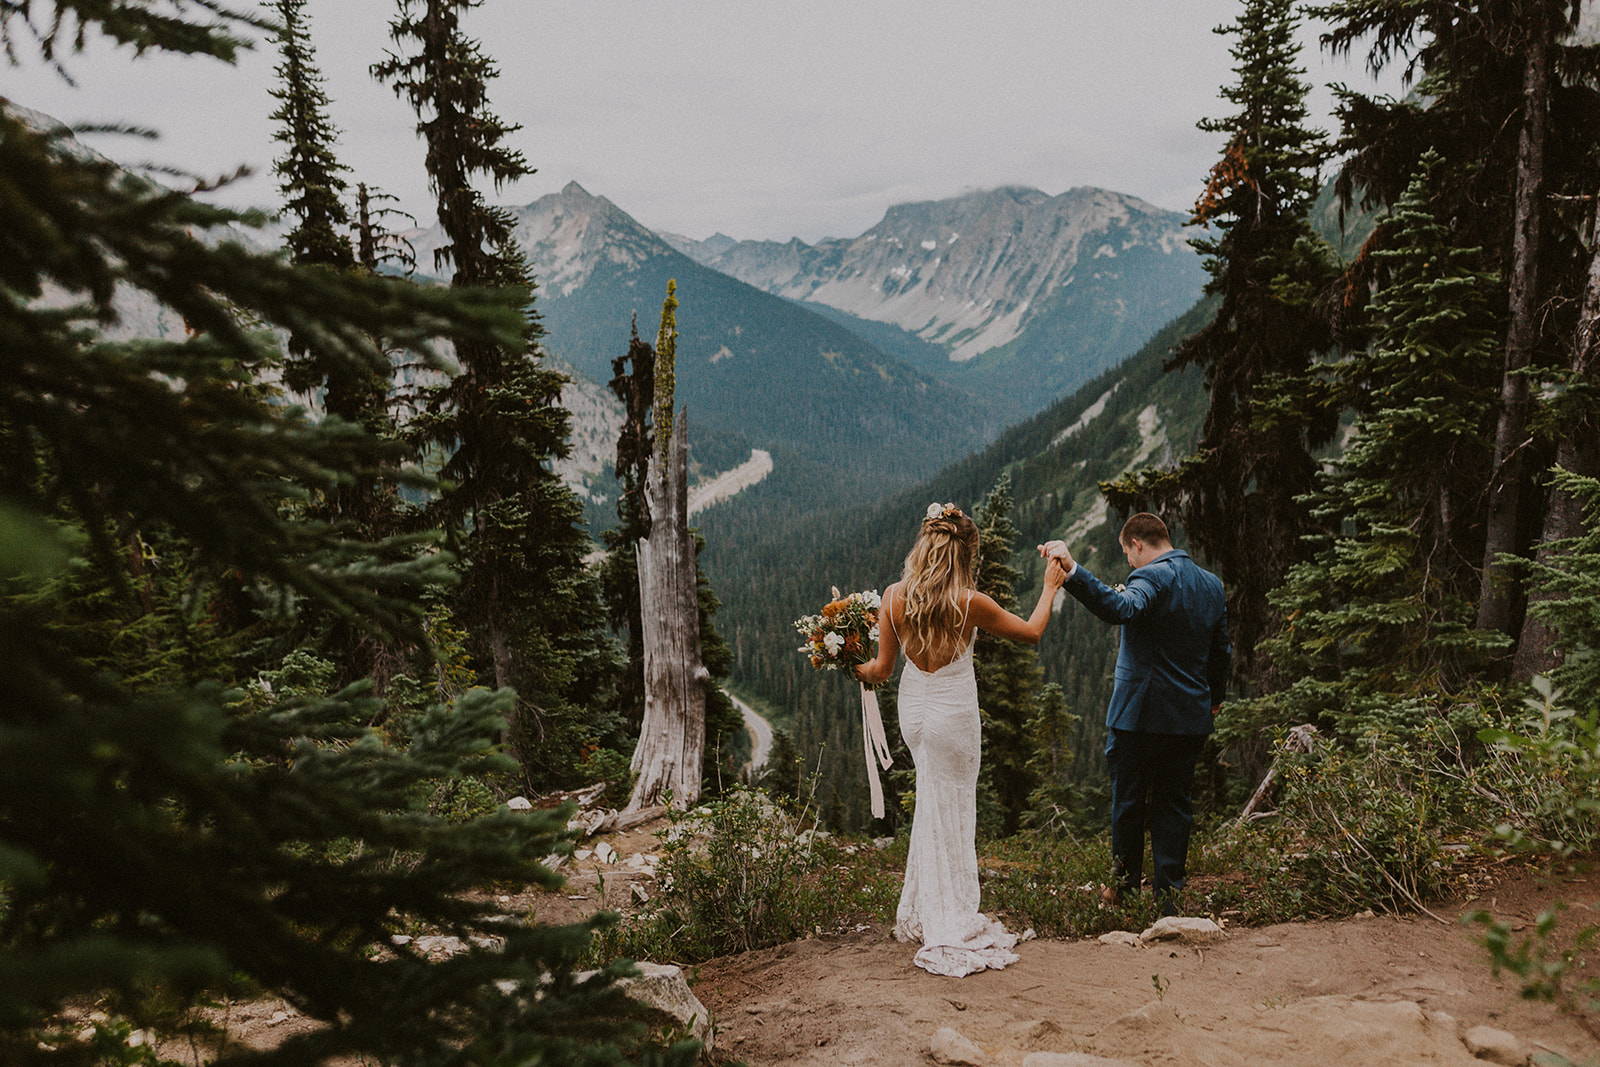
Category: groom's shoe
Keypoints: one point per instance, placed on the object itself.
(1112, 895)
(1167, 904)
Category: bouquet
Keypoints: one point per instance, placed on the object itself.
(837, 637)
(836, 640)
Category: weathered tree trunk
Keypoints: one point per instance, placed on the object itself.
(1579, 452)
(673, 737)
(1508, 478)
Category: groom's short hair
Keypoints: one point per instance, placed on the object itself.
(1147, 528)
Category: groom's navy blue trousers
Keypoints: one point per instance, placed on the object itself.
(1151, 778)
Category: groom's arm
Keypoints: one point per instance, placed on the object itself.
(1108, 604)
(1220, 662)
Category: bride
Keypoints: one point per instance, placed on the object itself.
(934, 612)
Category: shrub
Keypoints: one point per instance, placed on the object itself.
(741, 873)
(611, 767)
(1558, 751)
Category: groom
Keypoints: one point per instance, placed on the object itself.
(1172, 673)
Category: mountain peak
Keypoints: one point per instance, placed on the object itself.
(567, 235)
(574, 201)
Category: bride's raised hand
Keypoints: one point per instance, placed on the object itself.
(1055, 574)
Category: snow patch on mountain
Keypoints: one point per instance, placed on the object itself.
(1152, 437)
(1090, 413)
(967, 273)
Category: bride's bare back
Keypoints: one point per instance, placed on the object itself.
(982, 614)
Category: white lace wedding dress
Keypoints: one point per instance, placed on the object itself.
(939, 904)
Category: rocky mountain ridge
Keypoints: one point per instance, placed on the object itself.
(966, 273)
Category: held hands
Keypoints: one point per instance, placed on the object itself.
(1055, 574)
(1057, 550)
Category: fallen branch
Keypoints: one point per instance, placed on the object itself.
(628, 819)
(1302, 738)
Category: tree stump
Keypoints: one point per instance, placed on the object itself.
(672, 738)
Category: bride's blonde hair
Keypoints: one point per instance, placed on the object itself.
(940, 570)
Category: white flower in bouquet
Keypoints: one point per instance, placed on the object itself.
(834, 641)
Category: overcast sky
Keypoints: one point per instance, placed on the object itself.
(770, 118)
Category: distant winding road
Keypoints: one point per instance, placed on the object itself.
(760, 734)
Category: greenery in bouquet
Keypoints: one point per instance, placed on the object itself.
(837, 637)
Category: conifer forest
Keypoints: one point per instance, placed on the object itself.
(310, 648)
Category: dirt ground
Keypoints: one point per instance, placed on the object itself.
(1358, 991)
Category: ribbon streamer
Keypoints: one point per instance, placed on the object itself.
(873, 741)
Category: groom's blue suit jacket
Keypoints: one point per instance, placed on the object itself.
(1173, 665)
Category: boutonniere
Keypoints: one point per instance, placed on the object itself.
(1119, 587)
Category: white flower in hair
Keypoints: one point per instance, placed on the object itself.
(935, 510)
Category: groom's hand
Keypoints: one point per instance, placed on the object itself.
(1057, 550)
(1054, 550)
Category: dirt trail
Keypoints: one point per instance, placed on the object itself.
(1359, 991)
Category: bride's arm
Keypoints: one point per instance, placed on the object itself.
(879, 668)
(1000, 622)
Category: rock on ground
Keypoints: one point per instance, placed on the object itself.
(1120, 937)
(663, 987)
(1189, 931)
(1496, 1046)
(950, 1046)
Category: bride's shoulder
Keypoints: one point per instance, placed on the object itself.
(981, 601)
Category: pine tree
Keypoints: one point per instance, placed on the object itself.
(174, 832)
(377, 245)
(728, 743)
(1385, 608)
(1511, 496)
(633, 383)
(1238, 495)
(783, 776)
(1055, 802)
(310, 177)
(1009, 675)
(533, 611)
(1511, 109)
(1567, 578)
(1574, 411)
(313, 187)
